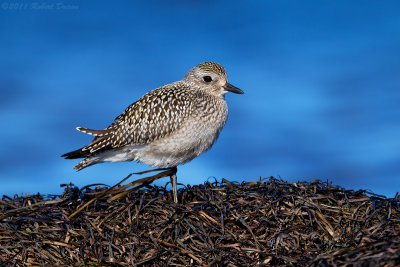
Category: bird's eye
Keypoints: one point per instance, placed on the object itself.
(207, 79)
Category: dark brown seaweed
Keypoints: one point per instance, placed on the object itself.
(271, 222)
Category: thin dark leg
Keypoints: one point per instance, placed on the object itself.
(173, 182)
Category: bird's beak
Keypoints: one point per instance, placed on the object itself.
(229, 87)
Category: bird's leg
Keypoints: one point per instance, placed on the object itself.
(173, 182)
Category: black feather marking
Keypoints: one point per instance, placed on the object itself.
(80, 153)
(76, 154)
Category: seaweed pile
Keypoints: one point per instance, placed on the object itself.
(219, 223)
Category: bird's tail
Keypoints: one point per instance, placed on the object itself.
(88, 151)
(79, 153)
(86, 163)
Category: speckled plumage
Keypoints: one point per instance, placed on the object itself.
(166, 127)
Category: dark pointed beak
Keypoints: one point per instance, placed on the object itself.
(229, 87)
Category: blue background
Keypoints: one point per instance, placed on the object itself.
(321, 82)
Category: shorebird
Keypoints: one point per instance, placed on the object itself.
(167, 127)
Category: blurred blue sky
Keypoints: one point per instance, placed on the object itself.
(321, 82)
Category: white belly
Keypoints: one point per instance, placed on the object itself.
(182, 146)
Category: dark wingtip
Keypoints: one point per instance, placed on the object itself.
(76, 154)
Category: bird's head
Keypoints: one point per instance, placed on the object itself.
(211, 77)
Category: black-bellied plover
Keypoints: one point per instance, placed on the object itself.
(168, 126)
